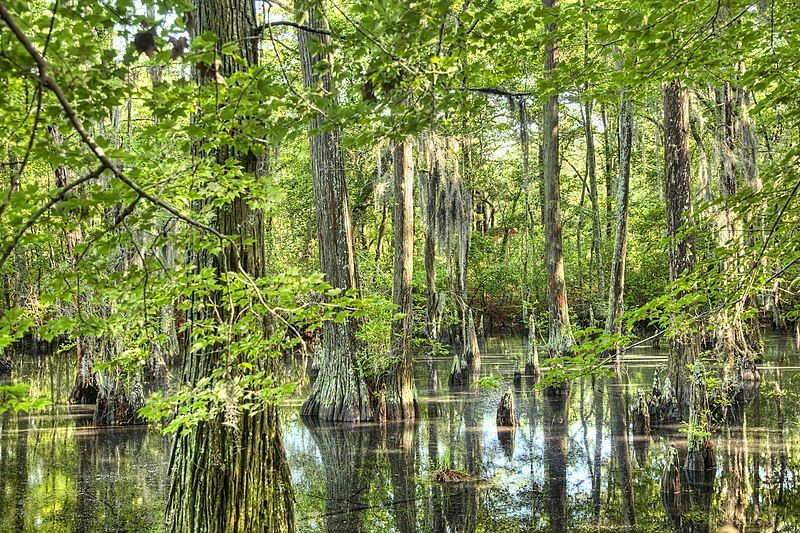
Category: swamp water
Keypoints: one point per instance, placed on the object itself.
(60, 473)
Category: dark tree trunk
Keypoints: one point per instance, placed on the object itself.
(429, 188)
(506, 410)
(617, 284)
(348, 460)
(339, 392)
(556, 418)
(560, 338)
(684, 346)
(84, 389)
(609, 167)
(403, 469)
(225, 478)
(532, 353)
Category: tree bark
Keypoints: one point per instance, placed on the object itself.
(84, 388)
(225, 478)
(684, 346)
(400, 400)
(730, 341)
(560, 337)
(429, 187)
(339, 392)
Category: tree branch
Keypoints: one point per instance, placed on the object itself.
(260, 29)
(57, 197)
(498, 92)
(88, 140)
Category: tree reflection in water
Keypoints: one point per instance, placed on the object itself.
(57, 471)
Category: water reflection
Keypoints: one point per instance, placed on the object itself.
(572, 463)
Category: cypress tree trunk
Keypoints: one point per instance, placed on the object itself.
(429, 187)
(609, 167)
(339, 392)
(119, 389)
(617, 284)
(684, 346)
(560, 338)
(730, 338)
(400, 400)
(532, 352)
(225, 478)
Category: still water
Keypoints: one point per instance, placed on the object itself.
(60, 473)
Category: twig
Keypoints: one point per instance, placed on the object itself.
(87, 139)
(260, 29)
(57, 197)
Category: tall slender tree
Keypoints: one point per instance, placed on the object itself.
(339, 392)
(684, 345)
(619, 419)
(560, 338)
(399, 382)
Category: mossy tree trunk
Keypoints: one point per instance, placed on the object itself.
(429, 187)
(730, 336)
(399, 383)
(84, 388)
(339, 392)
(226, 478)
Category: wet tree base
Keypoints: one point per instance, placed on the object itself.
(84, 392)
(116, 411)
(700, 460)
